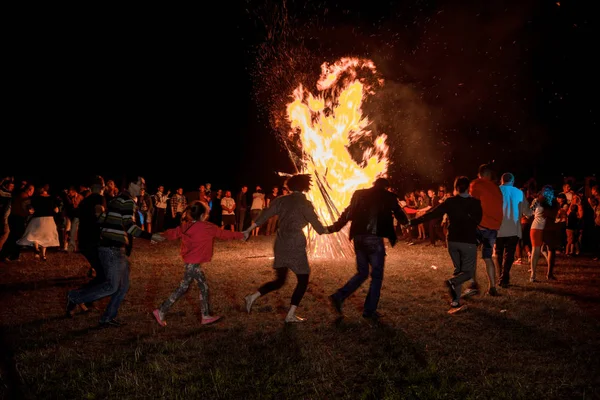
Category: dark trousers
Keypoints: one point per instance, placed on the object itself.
(11, 249)
(160, 219)
(506, 248)
(369, 250)
(91, 254)
(241, 215)
(435, 231)
(281, 276)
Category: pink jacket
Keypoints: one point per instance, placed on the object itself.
(197, 240)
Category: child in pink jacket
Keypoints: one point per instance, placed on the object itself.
(196, 248)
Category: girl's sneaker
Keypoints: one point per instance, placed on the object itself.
(209, 320)
(159, 317)
(455, 307)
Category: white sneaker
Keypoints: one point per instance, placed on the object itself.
(249, 302)
(294, 319)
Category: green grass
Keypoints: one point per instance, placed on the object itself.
(535, 341)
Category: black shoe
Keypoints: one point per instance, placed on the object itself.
(493, 292)
(504, 285)
(452, 290)
(375, 316)
(336, 302)
(113, 322)
(70, 307)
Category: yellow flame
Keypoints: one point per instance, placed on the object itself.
(328, 123)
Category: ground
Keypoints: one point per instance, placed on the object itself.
(534, 341)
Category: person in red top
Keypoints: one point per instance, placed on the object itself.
(490, 195)
(197, 238)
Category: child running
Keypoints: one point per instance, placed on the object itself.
(196, 248)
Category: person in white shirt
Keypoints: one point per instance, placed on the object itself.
(514, 206)
(228, 205)
(258, 203)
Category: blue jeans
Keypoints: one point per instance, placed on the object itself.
(487, 238)
(116, 268)
(369, 249)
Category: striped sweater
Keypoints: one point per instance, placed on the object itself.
(118, 223)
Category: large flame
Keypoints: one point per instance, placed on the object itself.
(330, 125)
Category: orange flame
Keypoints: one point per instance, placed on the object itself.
(328, 124)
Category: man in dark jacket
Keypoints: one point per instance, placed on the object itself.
(371, 212)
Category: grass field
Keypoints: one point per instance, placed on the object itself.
(535, 341)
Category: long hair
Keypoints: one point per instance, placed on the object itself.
(547, 196)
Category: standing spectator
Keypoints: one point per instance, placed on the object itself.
(5, 204)
(216, 211)
(242, 205)
(258, 203)
(178, 205)
(144, 203)
(19, 211)
(160, 202)
(228, 205)
(594, 201)
(272, 223)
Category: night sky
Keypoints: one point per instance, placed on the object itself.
(185, 97)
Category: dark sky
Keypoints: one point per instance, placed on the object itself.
(187, 96)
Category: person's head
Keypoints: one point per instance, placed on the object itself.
(180, 191)
(561, 198)
(134, 184)
(228, 193)
(9, 186)
(461, 184)
(97, 184)
(299, 183)
(142, 191)
(219, 193)
(285, 191)
(161, 188)
(508, 179)
(275, 189)
(430, 193)
(546, 195)
(208, 185)
(381, 183)
(202, 189)
(197, 211)
(42, 191)
(442, 190)
(485, 171)
(72, 191)
(244, 189)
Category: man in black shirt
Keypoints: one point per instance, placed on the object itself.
(464, 214)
